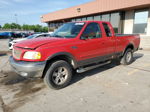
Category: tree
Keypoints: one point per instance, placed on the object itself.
(25, 27)
(11, 26)
(15, 26)
(35, 28)
(45, 29)
(7, 26)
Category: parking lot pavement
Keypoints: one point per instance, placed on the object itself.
(111, 88)
(3, 44)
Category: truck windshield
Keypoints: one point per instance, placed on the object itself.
(69, 30)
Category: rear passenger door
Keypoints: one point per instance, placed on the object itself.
(110, 39)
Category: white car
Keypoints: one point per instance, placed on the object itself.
(11, 43)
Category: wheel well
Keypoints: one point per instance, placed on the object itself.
(129, 46)
(59, 57)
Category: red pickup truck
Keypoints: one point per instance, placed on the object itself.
(75, 46)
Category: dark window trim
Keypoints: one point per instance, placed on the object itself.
(109, 29)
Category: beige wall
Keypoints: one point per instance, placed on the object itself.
(148, 26)
(128, 23)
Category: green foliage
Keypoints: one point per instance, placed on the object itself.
(35, 28)
(7, 26)
(11, 26)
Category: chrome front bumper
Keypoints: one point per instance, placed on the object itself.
(27, 69)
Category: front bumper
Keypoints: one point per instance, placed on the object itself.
(27, 69)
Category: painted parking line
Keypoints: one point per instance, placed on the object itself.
(133, 71)
(136, 69)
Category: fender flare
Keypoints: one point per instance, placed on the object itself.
(130, 44)
(65, 54)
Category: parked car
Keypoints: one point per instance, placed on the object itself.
(76, 46)
(4, 35)
(8, 35)
(12, 42)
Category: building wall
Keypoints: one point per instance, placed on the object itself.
(148, 27)
(93, 7)
(128, 22)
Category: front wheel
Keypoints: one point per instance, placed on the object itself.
(127, 58)
(58, 75)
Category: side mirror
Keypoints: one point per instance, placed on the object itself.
(83, 38)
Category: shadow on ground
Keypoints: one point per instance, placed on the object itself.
(11, 78)
(4, 53)
(26, 86)
(77, 77)
(137, 56)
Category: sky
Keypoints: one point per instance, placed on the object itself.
(30, 11)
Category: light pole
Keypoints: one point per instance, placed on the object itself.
(16, 18)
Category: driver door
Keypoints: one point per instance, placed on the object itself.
(91, 45)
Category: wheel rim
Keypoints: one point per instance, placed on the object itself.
(60, 75)
(129, 56)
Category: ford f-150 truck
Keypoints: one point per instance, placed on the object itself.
(75, 46)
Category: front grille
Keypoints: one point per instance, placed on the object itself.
(17, 53)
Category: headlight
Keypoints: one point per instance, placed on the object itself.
(32, 55)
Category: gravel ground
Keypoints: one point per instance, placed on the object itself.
(111, 88)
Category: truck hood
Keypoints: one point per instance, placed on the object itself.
(37, 42)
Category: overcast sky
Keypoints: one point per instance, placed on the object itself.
(29, 11)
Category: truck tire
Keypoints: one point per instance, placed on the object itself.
(127, 57)
(58, 75)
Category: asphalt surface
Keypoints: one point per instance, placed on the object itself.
(110, 88)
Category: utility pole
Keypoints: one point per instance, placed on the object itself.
(16, 18)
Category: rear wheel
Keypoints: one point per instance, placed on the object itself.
(58, 75)
(127, 58)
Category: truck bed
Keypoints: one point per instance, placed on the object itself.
(122, 35)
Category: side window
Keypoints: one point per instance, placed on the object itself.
(43, 35)
(107, 30)
(91, 31)
(47, 35)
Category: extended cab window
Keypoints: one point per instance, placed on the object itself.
(107, 30)
(91, 31)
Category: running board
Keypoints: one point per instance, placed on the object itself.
(81, 70)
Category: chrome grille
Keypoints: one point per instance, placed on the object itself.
(17, 53)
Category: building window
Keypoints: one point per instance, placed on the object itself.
(84, 19)
(89, 18)
(78, 19)
(106, 17)
(115, 20)
(97, 18)
(73, 20)
(140, 21)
